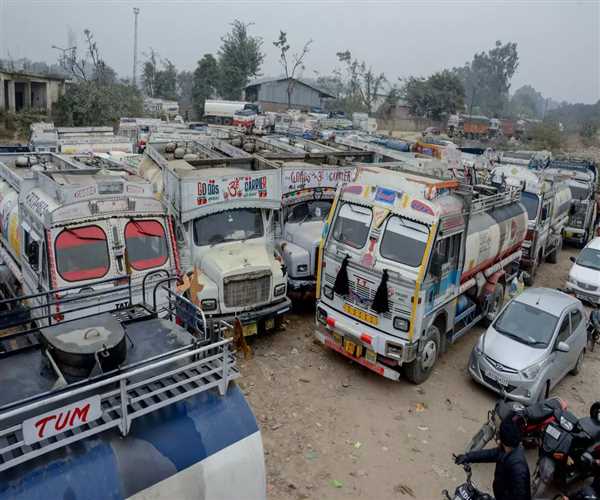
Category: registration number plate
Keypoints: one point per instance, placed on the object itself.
(249, 330)
(501, 380)
(553, 432)
(364, 316)
(354, 349)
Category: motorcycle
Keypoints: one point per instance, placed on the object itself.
(568, 448)
(533, 421)
(467, 490)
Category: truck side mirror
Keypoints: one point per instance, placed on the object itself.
(572, 259)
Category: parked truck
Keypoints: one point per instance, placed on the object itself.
(223, 209)
(409, 263)
(126, 404)
(307, 193)
(223, 112)
(547, 199)
(582, 180)
(79, 230)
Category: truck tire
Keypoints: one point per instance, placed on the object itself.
(496, 301)
(529, 278)
(552, 257)
(421, 368)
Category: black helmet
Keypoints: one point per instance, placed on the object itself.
(595, 412)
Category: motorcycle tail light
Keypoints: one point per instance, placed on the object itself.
(558, 456)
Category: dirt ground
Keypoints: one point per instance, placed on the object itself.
(335, 430)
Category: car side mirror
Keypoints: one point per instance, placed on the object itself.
(572, 259)
(562, 347)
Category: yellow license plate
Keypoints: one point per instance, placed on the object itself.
(270, 324)
(371, 319)
(249, 330)
(349, 346)
(568, 234)
(338, 338)
(371, 356)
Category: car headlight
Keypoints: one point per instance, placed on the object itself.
(279, 290)
(301, 268)
(328, 292)
(208, 304)
(401, 324)
(533, 371)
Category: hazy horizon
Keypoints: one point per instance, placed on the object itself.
(558, 42)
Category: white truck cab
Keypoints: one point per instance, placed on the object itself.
(224, 208)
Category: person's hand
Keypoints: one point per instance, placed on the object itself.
(460, 459)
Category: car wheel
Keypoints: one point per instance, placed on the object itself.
(421, 368)
(579, 365)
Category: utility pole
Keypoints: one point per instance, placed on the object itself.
(136, 11)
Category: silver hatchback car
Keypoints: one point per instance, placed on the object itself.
(538, 337)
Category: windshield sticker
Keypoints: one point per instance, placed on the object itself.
(217, 190)
(387, 196)
(419, 206)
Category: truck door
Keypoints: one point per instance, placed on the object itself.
(443, 276)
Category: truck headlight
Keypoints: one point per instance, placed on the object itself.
(208, 304)
(401, 324)
(279, 290)
(328, 292)
(301, 268)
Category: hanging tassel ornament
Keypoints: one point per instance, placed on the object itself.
(381, 303)
(342, 286)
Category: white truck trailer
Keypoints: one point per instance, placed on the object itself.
(78, 230)
(223, 210)
(409, 263)
(223, 112)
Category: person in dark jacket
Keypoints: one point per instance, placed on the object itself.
(511, 477)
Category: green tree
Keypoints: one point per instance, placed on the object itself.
(240, 58)
(434, 97)
(159, 77)
(363, 84)
(291, 65)
(527, 102)
(204, 82)
(185, 83)
(486, 78)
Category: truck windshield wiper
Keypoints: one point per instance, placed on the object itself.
(91, 238)
(142, 231)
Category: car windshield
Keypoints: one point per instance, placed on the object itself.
(531, 202)
(526, 324)
(404, 241)
(589, 257)
(310, 211)
(232, 225)
(352, 225)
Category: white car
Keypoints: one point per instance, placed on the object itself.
(584, 276)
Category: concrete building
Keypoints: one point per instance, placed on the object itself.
(20, 91)
(271, 94)
(158, 107)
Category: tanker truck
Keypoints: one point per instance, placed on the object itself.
(547, 199)
(307, 194)
(78, 230)
(409, 263)
(223, 208)
(223, 112)
(127, 404)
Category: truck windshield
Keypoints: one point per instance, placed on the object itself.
(404, 241)
(82, 253)
(231, 225)
(531, 202)
(526, 324)
(589, 257)
(316, 210)
(146, 244)
(352, 225)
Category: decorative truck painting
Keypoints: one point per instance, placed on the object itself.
(79, 230)
(409, 263)
(223, 210)
(308, 191)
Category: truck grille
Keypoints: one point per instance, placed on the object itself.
(246, 289)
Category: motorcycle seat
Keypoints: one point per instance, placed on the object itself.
(590, 427)
(541, 411)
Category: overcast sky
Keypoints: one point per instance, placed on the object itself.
(558, 41)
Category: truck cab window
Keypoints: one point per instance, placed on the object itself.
(32, 251)
(352, 225)
(82, 253)
(231, 225)
(146, 244)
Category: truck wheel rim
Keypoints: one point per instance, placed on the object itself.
(429, 355)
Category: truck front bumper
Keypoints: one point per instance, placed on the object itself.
(301, 288)
(575, 234)
(259, 314)
(381, 353)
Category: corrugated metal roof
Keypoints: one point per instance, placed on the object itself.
(260, 81)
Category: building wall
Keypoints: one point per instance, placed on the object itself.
(20, 91)
(276, 92)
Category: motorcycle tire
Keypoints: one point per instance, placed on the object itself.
(481, 439)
